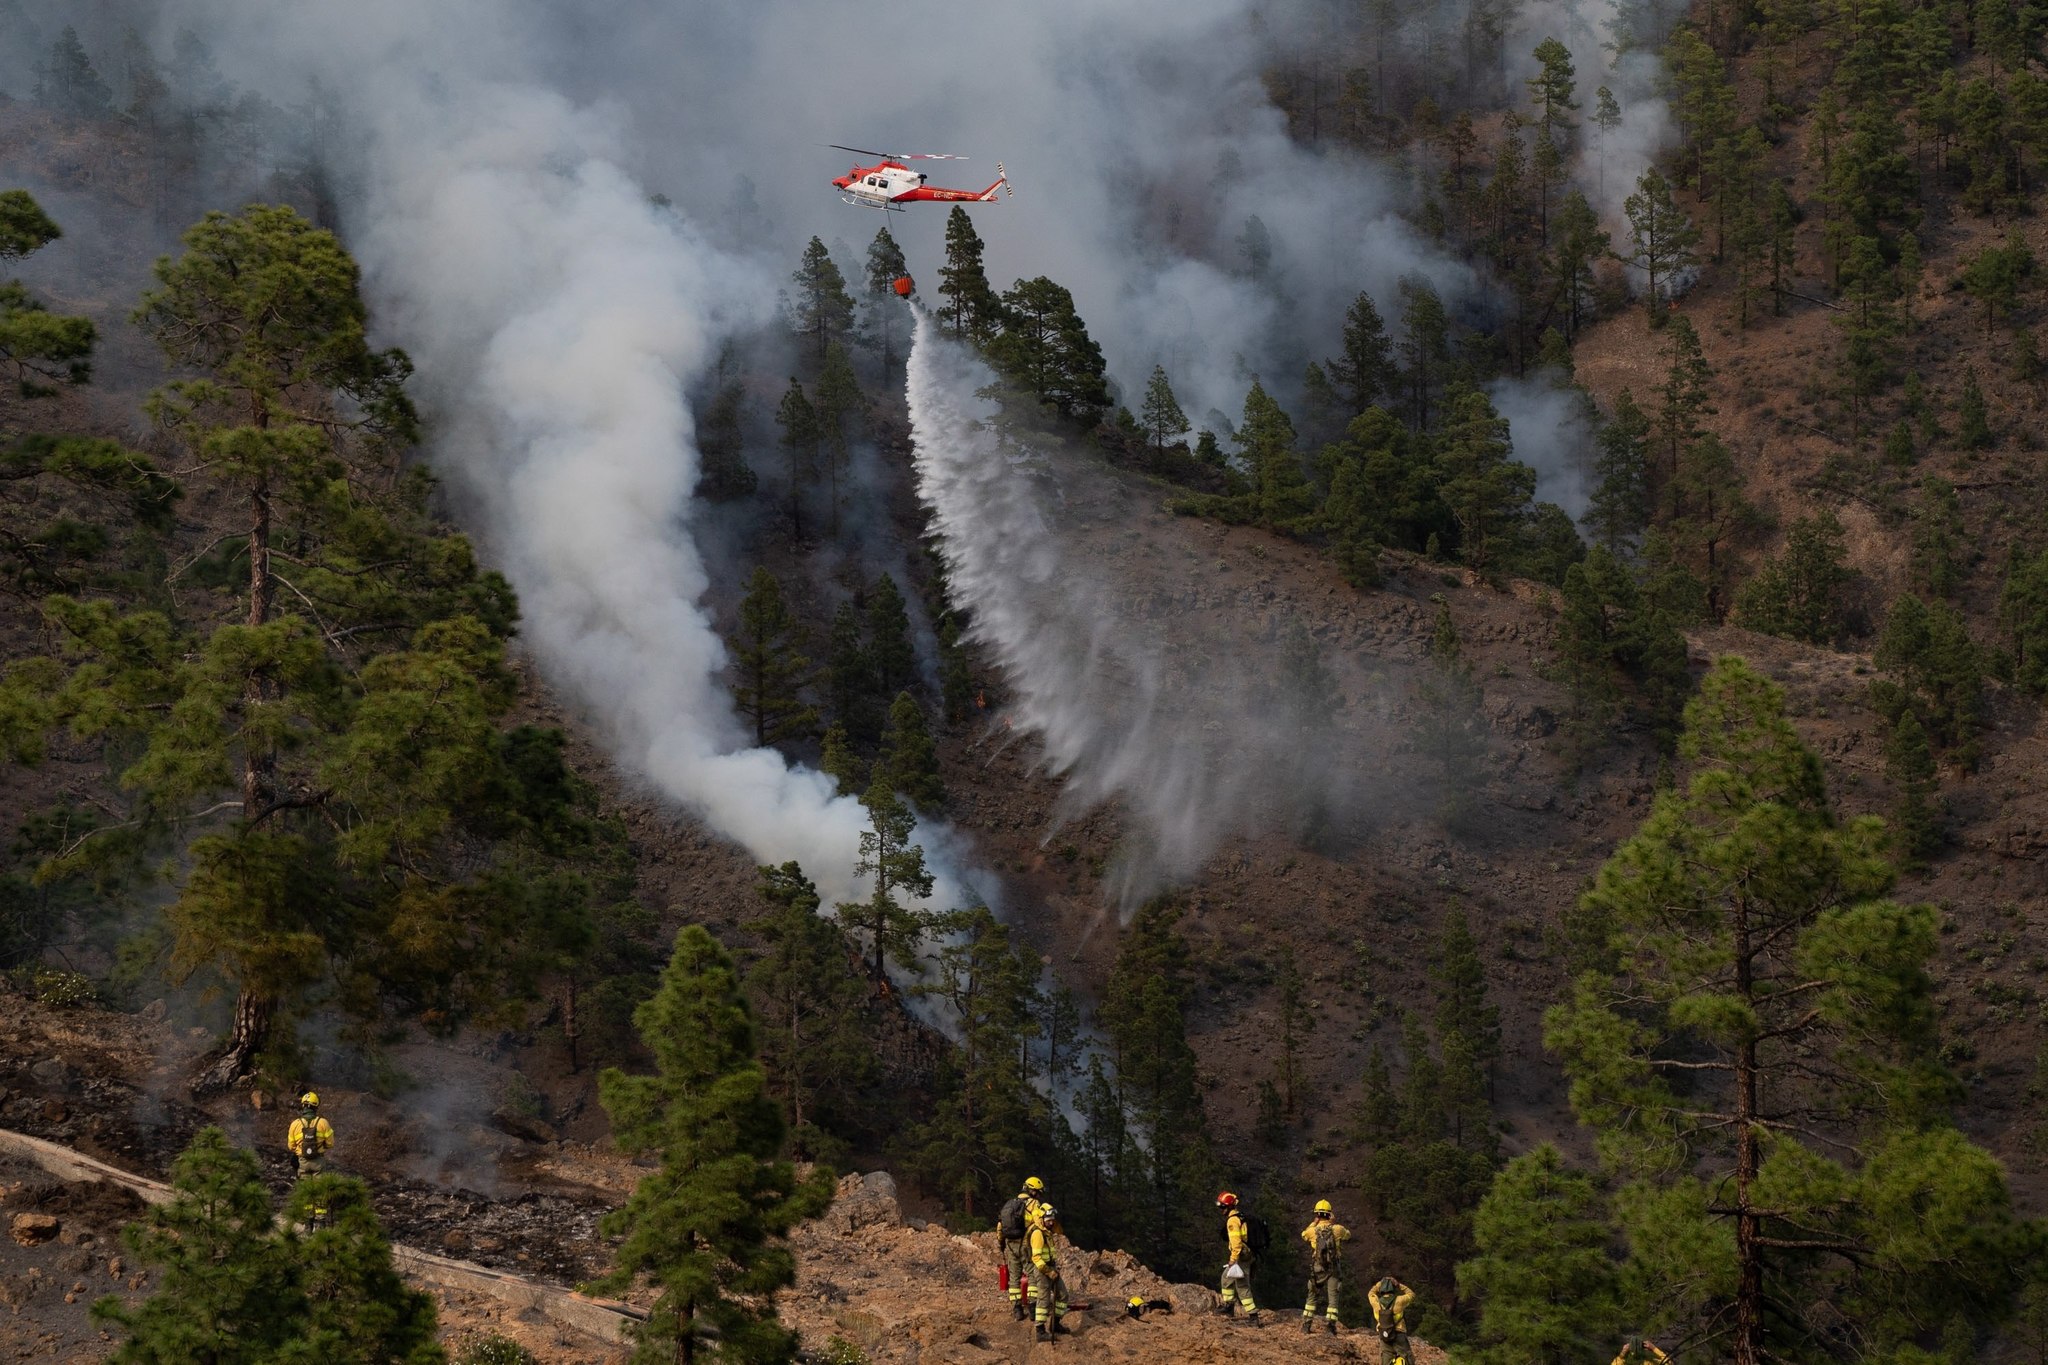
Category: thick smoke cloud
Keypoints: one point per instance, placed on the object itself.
(493, 163)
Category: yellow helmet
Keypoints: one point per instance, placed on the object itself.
(1323, 1206)
(1137, 1301)
(309, 1100)
(1033, 1185)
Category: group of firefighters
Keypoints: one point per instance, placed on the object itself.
(1028, 1224)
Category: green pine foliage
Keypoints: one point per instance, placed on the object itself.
(1618, 646)
(769, 670)
(1364, 370)
(1916, 810)
(892, 659)
(1941, 556)
(1044, 348)
(822, 310)
(1548, 1290)
(224, 1292)
(803, 434)
(910, 760)
(1799, 594)
(1161, 415)
(707, 1227)
(1936, 671)
(67, 82)
(810, 1003)
(885, 265)
(987, 1115)
(971, 310)
(891, 856)
(1758, 989)
(2023, 616)
(42, 349)
(232, 1286)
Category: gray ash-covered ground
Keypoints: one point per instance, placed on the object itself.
(51, 1275)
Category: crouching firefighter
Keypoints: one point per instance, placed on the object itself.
(1013, 1239)
(1048, 1290)
(1326, 1238)
(1390, 1299)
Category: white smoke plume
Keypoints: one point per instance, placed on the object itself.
(497, 161)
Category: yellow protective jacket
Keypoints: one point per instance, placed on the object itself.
(1397, 1310)
(1041, 1246)
(310, 1139)
(1650, 1353)
(1240, 1234)
(1308, 1234)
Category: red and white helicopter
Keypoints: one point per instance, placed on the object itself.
(889, 184)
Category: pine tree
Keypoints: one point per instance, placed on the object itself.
(816, 1037)
(42, 348)
(1297, 1023)
(1909, 763)
(1799, 594)
(1619, 509)
(1045, 348)
(1607, 118)
(708, 1226)
(980, 1132)
(1940, 560)
(359, 1311)
(1706, 512)
(892, 659)
(837, 761)
(722, 443)
(971, 305)
(802, 433)
(823, 309)
(1973, 423)
(1543, 1278)
(1487, 490)
(770, 671)
(1255, 249)
(1425, 345)
(1581, 244)
(1551, 90)
(225, 1291)
(1449, 727)
(889, 854)
(1161, 414)
(1687, 393)
(885, 266)
(1364, 368)
(67, 83)
(1323, 415)
(839, 401)
(1280, 490)
(855, 696)
(1801, 1006)
(2023, 616)
(1459, 984)
(1936, 671)
(1661, 238)
(910, 760)
(1994, 277)
(355, 766)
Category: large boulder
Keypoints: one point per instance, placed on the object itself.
(865, 1201)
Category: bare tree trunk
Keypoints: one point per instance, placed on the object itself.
(237, 1057)
(258, 764)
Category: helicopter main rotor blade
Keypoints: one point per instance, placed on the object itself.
(897, 156)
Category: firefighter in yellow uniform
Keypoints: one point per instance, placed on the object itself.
(1048, 1290)
(1636, 1351)
(1237, 1288)
(1013, 1240)
(1390, 1299)
(310, 1138)
(1326, 1238)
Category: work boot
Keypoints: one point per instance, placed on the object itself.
(1060, 1328)
(1226, 1310)
(1333, 1327)
(1042, 1332)
(1023, 1313)
(1252, 1319)
(1308, 1325)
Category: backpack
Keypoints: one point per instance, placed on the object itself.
(1257, 1235)
(1010, 1222)
(1325, 1248)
